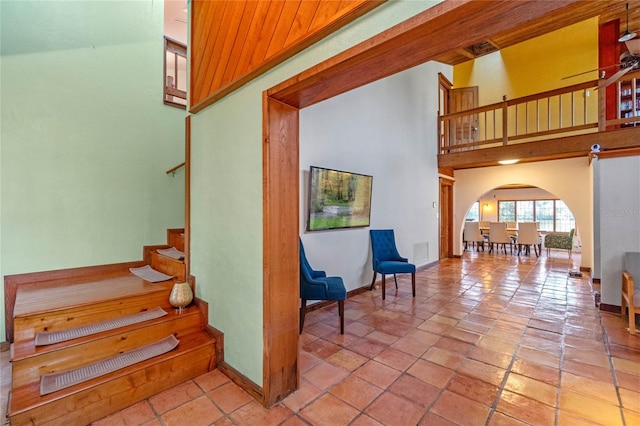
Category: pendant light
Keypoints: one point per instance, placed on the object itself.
(627, 35)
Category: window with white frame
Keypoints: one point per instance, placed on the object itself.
(175, 73)
(553, 215)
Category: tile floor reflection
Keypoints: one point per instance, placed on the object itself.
(489, 339)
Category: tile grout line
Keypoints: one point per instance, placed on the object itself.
(612, 367)
(494, 406)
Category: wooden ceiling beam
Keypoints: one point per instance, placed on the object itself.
(417, 40)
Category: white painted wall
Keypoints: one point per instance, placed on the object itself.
(618, 216)
(386, 129)
(570, 180)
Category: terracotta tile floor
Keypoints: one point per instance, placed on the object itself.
(490, 339)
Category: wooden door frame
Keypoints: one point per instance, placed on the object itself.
(444, 87)
(410, 43)
(448, 220)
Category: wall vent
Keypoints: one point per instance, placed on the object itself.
(421, 253)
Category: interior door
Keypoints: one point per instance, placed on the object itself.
(464, 130)
(446, 218)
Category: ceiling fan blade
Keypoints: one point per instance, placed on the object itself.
(617, 75)
(586, 72)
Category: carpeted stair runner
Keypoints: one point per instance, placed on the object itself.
(51, 337)
(52, 382)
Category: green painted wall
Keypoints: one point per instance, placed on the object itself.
(226, 222)
(85, 137)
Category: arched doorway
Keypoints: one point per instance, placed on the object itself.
(516, 203)
(569, 180)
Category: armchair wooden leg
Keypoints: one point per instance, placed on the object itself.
(383, 286)
(413, 284)
(396, 280)
(373, 281)
(341, 313)
(303, 308)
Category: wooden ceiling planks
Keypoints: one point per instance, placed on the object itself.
(235, 41)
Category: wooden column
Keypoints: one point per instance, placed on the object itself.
(280, 248)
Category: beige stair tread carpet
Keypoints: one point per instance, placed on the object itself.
(149, 274)
(172, 252)
(52, 382)
(51, 337)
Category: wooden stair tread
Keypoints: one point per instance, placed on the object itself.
(26, 397)
(27, 349)
(36, 300)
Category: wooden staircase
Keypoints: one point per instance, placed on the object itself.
(49, 305)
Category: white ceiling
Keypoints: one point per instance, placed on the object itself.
(175, 20)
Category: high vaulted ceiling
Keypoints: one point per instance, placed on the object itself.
(607, 10)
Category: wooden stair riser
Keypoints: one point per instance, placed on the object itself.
(168, 265)
(26, 327)
(89, 404)
(69, 355)
(175, 238)
(100, 294)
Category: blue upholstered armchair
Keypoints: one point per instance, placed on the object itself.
(315, 285)
(387, 260)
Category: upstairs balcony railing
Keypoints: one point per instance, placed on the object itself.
(571, 110)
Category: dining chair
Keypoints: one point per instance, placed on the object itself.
(473, 235)
(315, 285)
(498, 235)
(387, 260)
(528, 236)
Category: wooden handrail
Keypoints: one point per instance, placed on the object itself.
(519, 119)
(176, 167)
(540, 116)
(511, 102)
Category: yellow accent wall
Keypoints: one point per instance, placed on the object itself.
(534, 66)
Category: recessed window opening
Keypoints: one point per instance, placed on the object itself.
(553, 215)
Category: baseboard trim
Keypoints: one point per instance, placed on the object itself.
(609, 308)
(362, 289)
(234, 375)
(617, 310)
(430, 265)
(239, 379)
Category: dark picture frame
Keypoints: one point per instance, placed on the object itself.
(338, 199)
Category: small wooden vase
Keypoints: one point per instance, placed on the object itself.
(181, 295)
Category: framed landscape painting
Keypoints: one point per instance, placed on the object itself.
(338, 199)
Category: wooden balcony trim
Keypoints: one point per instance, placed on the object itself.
(624, 152)
(548, 149)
